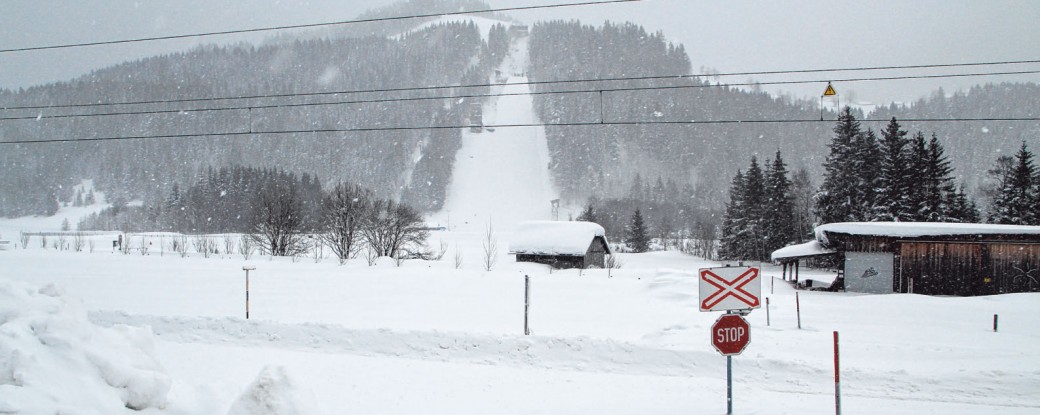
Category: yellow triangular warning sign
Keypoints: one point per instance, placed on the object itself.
(829, 91)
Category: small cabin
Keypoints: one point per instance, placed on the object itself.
(962, 259)
(560, 244)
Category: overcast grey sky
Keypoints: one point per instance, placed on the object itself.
(729, 36)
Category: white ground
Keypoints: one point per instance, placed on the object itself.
(431, 337)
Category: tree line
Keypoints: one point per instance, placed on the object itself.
(283, 214)
(866, 179)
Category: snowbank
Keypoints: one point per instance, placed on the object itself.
(53, 360)
(271, 393)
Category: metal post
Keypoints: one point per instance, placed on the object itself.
(247, 268)
(994, 323)
(527, 303)
(768, 311)
(837, 383)
(772, 281)
(798, 310)
(729, 385)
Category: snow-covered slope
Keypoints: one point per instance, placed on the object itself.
(502, 177)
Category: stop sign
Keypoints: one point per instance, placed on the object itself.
(730, 334)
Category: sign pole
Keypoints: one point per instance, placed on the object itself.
(729, 385)
(527, 303)
(768, 312)
(798, 310)
(247, 268)
(837, 383)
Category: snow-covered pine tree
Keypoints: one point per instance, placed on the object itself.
(588, 214)
(916, 190)
(864, 165)
(1015, 204)
(754, 233)
(734, 220)
(892, 172)
(939, 187)
(779, 210)
(638, 236)
(835, 201)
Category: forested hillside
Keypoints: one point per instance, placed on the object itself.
(413, 165)
(604, 160)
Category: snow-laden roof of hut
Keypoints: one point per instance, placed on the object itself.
(811, 248)
(555, 238)
(917, 229)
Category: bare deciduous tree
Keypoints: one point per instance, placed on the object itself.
(391, 226)
(344, 210)
(245, 246)
(458, 258)
(279, 220)
(78, 242)
(490, 248)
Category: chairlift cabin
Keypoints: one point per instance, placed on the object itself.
(476, 117)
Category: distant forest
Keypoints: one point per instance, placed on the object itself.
(411, 165)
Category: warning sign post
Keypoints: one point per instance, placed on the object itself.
(737, 291)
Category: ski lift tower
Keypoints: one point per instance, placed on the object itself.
(476, 117)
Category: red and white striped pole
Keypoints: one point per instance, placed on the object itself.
(837, 382)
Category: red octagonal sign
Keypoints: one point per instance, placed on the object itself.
(730, 334)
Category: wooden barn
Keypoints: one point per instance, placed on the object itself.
(560, 244)
(962, 259)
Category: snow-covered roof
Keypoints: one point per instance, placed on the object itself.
(917, 229)
(554, 238)
(801, 250)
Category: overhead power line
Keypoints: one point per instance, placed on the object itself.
(490, 95)
(568, 81)
(521, 125)
(315, 25)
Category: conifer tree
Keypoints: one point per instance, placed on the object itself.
(754, 205)
(638, 237)
(588, 214)
(1015, 203)
(939, 190)
(916, 193)
(835, 201)
(734, 220)
(892, 174)
(779, 209)
(864, 166)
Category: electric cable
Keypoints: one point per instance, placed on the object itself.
(492, 95)
(518, 125)
(313, 25)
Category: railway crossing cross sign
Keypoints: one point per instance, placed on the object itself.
(730, 288)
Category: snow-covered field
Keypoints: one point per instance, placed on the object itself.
(427, 337)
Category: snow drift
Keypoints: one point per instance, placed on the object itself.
(54, 360)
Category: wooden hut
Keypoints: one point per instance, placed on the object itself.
(560, 244)
(935, 258)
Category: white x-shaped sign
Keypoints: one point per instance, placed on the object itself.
(730, 288)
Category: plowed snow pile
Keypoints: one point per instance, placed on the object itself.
(53, 360)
